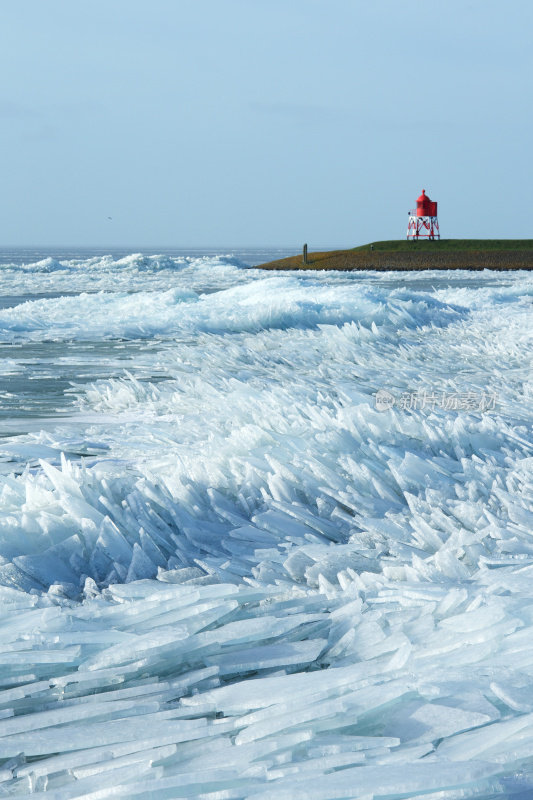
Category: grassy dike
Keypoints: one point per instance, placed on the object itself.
(476, 254)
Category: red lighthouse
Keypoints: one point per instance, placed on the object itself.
(423, 222)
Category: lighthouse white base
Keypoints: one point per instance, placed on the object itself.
(423, 227)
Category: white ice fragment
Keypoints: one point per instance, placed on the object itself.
(517, 698)
(474, 744)
(269, 656)
(431, 721)
(140, 566)
(380, 781)
(112, 731)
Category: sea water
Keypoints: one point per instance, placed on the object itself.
(263, 534)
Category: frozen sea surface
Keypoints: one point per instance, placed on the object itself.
(264, 535)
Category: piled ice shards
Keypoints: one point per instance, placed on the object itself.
(253, 582)
(382, 688)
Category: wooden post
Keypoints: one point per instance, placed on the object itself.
(304, 260)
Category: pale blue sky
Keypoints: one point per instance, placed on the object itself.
(246, 122)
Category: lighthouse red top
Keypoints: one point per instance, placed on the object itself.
(425, 207)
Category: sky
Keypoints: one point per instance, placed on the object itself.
(251, 123)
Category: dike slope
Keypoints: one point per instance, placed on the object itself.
(475, 254)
